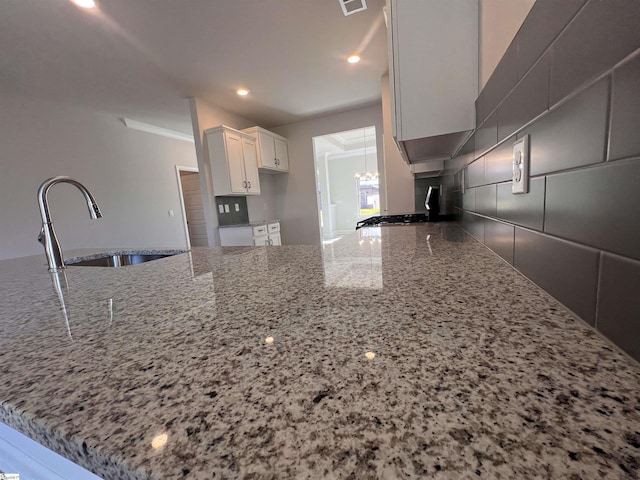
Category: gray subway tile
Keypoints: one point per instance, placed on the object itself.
(619, 302)
(498, 237)
(475, 173)
(502, 80)
(474, 225)
(523, 209)
(543, 24)
(602, 34)
(487, 134)
(498, 163)
(469, 199)
(486, 200)
(625, 111)
(566, 270)
(598, 206)
(529, 99)
(572, 135)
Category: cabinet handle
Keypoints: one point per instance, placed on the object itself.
(249, 184)
(244, 183)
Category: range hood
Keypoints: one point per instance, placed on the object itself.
(437, 147)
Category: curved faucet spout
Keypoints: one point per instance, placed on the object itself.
(48, 235)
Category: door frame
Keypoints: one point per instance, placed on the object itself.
(181, 168)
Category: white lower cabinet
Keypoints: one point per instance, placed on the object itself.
(256, 235)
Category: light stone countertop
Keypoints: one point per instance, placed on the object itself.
(477, 373)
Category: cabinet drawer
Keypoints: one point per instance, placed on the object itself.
(259, 230)
(274, 227)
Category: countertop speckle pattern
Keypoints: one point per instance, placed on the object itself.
(477, 373)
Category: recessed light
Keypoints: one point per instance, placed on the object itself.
(242, 92)
(85, 3)
(355, 58)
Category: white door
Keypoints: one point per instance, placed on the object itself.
(282, 154)
(234, 146)
(193, 208)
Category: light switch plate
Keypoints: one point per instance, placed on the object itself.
(520, 174)
(221, 208)
(237, 207)
(226, 208)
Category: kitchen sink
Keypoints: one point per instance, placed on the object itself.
(121, 260)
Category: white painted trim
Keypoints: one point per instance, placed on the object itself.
(179, 169)
(164, 132)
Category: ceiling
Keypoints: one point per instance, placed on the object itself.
(143, 58)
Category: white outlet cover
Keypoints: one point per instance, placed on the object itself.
(237, 205)
(221, 208)
(226, 208)
(520, 166)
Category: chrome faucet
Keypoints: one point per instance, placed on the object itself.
(48, 235)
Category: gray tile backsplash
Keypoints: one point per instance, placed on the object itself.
(544, 23)
(566, 270)
(486, 200)
(529, 99)
(602, 34)
(577, 232)
(573, 134)
(522, 209)
(499, 237)
(625, 111)
(619, 302)
(597, 206)
(233, 217)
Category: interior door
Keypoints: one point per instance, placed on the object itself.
(194, 209)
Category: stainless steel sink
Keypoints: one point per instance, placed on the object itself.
(118, 260)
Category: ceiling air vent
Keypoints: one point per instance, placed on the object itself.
(353, 6)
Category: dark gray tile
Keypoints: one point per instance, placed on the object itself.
(487, 134)
(625, 111)
(498, 237)
(544, 23)
(602, 34)
(566, 270)
(498, 163)
(619, 302)
(529, 99)
(525, 209)
(481, 112)
(597, 206)
(474, 225)
(486, 200)
(572, 135)
(502, 80)
(475, 173)
(469, 199)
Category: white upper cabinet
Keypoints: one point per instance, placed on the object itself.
(273, 156)
(233, 159)
(433, 67)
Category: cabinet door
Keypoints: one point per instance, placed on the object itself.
(281, 153)
(251, 166)
(235, 162)
(274, 239)
(261, 241)
(267, 151)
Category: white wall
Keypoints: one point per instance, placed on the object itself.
(398, 179)
(131, 174)
(500, 20)
(298, 206)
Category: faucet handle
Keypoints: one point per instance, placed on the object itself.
(41, 235)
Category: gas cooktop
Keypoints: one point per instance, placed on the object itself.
(384, 220)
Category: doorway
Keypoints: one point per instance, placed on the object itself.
(347, 180)
(195, 227)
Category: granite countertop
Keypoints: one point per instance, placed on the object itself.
(162, 370)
